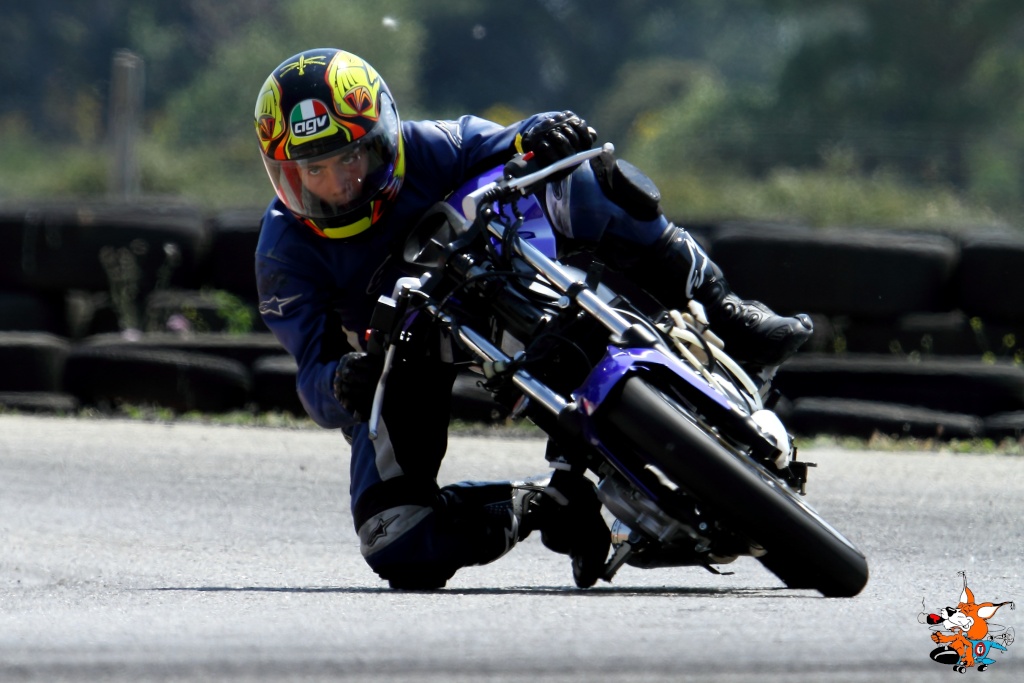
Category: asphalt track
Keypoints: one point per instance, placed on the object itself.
(132, 551)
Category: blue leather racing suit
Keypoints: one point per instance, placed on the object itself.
(316, 295)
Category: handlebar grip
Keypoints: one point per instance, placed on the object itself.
(521, 184)
(521, 165)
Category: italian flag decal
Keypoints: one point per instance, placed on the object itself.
(309, 118)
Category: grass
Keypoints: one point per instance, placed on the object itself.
(890, 444)
(527, 430)
(835, 195)
(826, 198)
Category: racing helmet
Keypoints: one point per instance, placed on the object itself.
(331, 141)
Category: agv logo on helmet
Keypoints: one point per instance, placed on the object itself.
(322, 117)
(308, 118)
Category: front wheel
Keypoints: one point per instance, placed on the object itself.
(802, 548)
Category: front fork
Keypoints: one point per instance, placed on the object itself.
(388, 323)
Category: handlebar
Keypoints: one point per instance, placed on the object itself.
(508, 186)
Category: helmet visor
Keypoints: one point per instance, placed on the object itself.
(342, 180)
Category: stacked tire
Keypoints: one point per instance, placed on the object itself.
(101, 303)
(71, 270)
(916, 333)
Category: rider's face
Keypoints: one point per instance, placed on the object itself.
(338, 179)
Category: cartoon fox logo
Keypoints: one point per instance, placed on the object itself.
(963, 632)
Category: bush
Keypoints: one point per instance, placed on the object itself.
(820, 198)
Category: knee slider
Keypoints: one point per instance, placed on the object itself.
(627, 186)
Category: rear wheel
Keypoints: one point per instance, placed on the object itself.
(802, 548)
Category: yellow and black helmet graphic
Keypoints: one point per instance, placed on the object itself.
(331, 140)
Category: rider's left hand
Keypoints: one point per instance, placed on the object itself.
(355, 381)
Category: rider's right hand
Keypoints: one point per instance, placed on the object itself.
(355, 381)
(557, 137)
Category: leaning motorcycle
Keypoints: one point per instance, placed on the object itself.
(687, 455)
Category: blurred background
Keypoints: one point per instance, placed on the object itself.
(862, 112)
(861, 161)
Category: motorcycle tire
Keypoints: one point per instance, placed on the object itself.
(803, 550)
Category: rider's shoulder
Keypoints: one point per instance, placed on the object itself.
(448, 132)
(277, 223)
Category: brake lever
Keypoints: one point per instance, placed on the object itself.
(393, 320)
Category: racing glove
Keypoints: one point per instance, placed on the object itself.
(557, 137)
(355, 382)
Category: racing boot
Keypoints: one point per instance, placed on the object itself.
(565, 509)
(676, 269)
(475, 523)
(752, 332)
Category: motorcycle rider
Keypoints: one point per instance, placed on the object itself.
(351, 180)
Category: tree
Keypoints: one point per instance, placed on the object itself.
(899, 85)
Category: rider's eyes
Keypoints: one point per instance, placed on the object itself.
(351, 157)
(346, 159)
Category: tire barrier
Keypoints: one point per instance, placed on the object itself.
(937, 334)
(944, 334)
(847, 394)
(30, 311)
(990, 280)
(32, 361)
(957, 385)
(274, 384)
(901, 318)
(38, 402)
(32, 380)
(102, 246)
(1005, 426)
(230, 265)
(113, 374)
(246, 349)
(852, 417)
(213, 373)
(90, 313)
(863, 273)
(200, 311)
